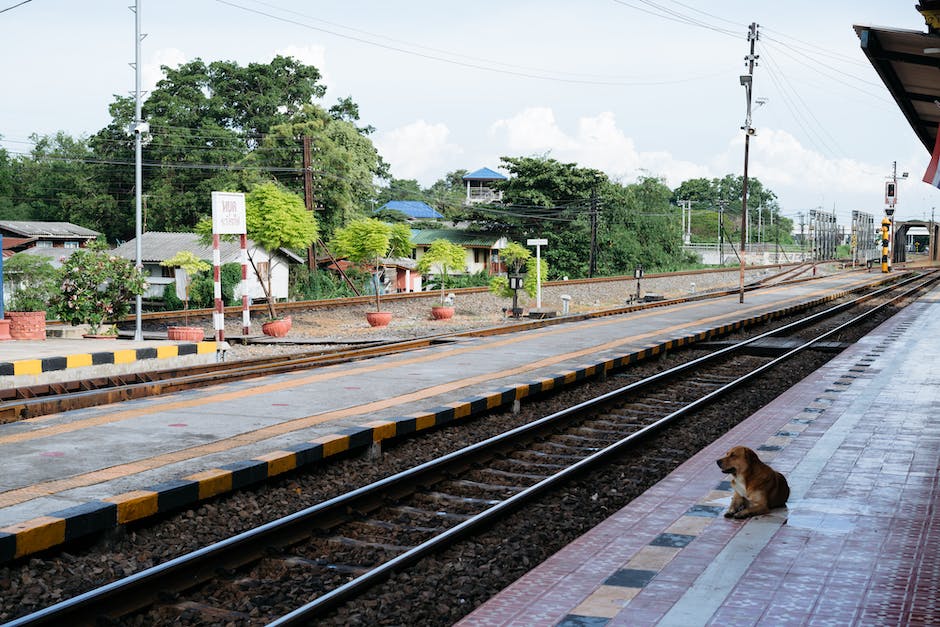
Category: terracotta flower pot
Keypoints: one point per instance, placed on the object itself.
(277, 328)
(379, 318)
(440, 312)
(27, 325)
(186, 334)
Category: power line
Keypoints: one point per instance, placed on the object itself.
(19, 4)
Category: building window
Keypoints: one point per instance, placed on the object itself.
(71, 245)
(43, 244)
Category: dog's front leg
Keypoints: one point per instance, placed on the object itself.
(738, 503)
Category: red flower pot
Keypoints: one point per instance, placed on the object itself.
(441, 312)
(277, 328)
(186, 334)
(379, 318)
(27, 325)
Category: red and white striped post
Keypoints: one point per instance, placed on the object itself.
(246, 312)
(218, 318)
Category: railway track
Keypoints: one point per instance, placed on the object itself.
(334, 551)
(24, 402)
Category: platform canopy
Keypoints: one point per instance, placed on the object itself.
(908, 63)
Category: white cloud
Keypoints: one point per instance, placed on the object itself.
(596, 143)
(417, 150)
(309, 55)
(802, 178)
(151, 72)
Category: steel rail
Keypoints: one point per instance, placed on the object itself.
(190, 569)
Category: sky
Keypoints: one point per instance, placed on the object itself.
(631, 87)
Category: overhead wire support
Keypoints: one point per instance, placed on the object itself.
(747, 80)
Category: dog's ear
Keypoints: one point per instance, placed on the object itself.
(750, 456)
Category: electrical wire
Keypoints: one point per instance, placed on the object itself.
(19, 4)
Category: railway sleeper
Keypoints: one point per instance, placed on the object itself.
(580, 451)
(550, 455)
(486, 487)
(320, 565)
(431, 514)
(534, 478)
(346, 541)
(515, 465)
(208, 613)
(587, 442)
(455, 498)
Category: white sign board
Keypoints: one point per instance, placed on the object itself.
(537, 242)
(228, 213)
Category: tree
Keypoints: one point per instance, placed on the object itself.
(446, 255)
(32, 279)
(517, 257)
(368, 240)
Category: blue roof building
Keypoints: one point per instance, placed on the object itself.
(414, 209)
(479, 188)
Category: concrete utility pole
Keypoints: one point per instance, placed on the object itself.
(138, 128)
(747, 80)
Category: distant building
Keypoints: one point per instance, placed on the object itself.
(158, 246)
(482, 248)
(413, 209)
(479, 186)
(20, 235)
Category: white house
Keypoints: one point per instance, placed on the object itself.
(158, 246)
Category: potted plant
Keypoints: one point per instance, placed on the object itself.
(368, 240)
(447, 256)
(96, 286)
(274, 218)
(190, 265)
(517, 257)
(32, 279)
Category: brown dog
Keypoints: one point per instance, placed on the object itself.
(758, 488)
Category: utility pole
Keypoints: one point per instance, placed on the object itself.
(686, 206)
(308, 199)
(138, 128)
(747, 81)
(592, 266)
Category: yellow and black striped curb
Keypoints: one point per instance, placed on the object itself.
(103, 358)
(60, 527)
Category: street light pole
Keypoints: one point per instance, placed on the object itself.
(138, 130)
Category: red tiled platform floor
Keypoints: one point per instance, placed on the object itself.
(859, 442)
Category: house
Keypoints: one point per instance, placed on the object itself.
(482, 248)
(20, 235)
(157, 246)
(413, 209)
(480, 186)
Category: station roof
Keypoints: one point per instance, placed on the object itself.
(908, 63)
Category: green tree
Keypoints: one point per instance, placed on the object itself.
(32, 279)
(368, 240)
(447, 256)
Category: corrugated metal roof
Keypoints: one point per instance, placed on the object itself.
(412, 209)
(28, 228)
(470, 239)
(157, 246)
(485, 174)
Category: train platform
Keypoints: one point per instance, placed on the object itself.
(56, 359)
(857, 544)
(86, 471)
